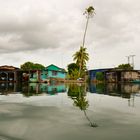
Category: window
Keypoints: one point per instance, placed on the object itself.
(54, 73)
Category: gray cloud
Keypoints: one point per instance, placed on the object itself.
(116, 22)
(31, 28)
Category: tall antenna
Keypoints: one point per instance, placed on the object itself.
(132, 56)
(128, 59)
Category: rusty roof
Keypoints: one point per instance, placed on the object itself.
(6, 67)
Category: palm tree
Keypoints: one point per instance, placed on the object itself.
(81, 57)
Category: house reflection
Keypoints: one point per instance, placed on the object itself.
(7, 87)
(31, 89)
(40, 88)
(113, 89)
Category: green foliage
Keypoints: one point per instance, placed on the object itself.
(90, 11)
(38, 66)
(81, 102)
(81, 57)
(125, 67)
(31, 66)
(78, 94)
(100, 88)
(100, 76)
(74, 74)
(71, 67)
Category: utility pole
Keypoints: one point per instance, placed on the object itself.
(132, 56)
(128, 59)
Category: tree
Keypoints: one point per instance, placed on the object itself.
(81, 57)
(38, 66)
(31, 66)
(100, 76)
(71, 67)
(89, 12)
(125, 67)
(73, 70)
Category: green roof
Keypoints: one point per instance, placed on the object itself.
(54, 68)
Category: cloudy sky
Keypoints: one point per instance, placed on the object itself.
(50, 31)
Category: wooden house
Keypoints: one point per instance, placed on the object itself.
(50, 73)
(10, 74)
(119, 75)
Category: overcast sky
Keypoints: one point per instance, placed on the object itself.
(50, 31)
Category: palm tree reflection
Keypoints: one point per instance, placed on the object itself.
(78, 94)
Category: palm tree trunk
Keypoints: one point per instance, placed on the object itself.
(83, 44)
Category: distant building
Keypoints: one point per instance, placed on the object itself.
(114, 75)
(118, 75)
(10, 74)
(93, 73)
(50, 73)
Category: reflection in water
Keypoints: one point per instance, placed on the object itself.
(78, 94)
(31, 89)
(38, 88)
(113, 89)
(8, 88)
(20, 118)
(121, 90)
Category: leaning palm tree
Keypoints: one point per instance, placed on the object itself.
(79, 56)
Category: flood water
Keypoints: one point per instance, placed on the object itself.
(73, 111)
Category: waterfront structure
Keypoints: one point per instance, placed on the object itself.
(10, 74)
(50, 73)
(114, 75)
(118, 75)
(93, 74)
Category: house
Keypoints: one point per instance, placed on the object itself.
(119, 75)
(50, 73)
(10, 74)
(113, 75)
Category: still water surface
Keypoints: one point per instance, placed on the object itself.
(65, 112)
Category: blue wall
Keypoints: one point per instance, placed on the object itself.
(50, 74)
(58, 74)
(92, 73)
